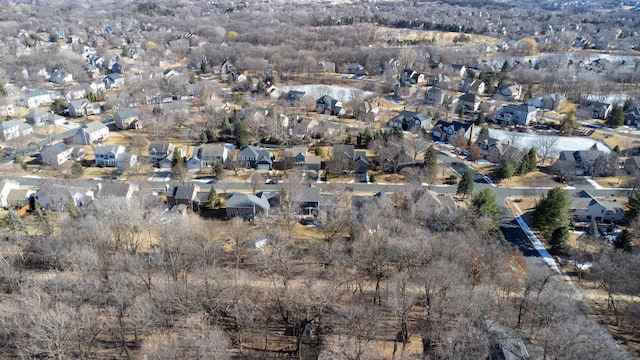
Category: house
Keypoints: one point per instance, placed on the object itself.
(510, 92)
(546, 102)
(409, 120)
(439, 80)
(471, 86)
(631, 116)
(184, 194)
(114, 156)
(18, 198)
(297, 158)
(597, 109)
(470, 102)
(326, 67)
(305, 127)
(38, 117)
(412, 77)
(521, 114)
(404, 89)
(92, 133)
(60, 77)
(79, 108)
(115, 190)
(34, 99)
(160, 150)
(632, 164)
(56, 196)
(12, 129)
(586, 208)
(361, 166)
(256, 158)
(498, 151)
(356, 69)
(6, 186)
(56, 154)
(75, 93)
(367, 110)
(207, 156)
(580, 163)
(352, 160)
(6, 108)
(458, 70)
(294, 97)
(447, 131)
(113, 81)
(97, 87)
(246, 206)
(330, 106)
(309, 200)
(438, 96)
(116, 68)
(126, 119)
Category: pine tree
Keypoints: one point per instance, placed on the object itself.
(213, 200)
(628, 104)
(624, 241)
(633, 205)
(616, 117)
(13, 222)
(532, 160)
(484, 202)
(481, 120)
(430, 157)
(506, 171)
(552, 211)
(558, 245)
(465, 186)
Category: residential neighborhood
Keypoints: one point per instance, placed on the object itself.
(320, 180)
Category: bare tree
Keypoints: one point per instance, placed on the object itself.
(546, 146)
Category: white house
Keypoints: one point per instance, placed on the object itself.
(91, 133)
(12, 129)
(35, 98)
(112, 81)
(7, 109)
(6, 186)
(56, 154)
(55, 197)
(114, 155)
(207, 155)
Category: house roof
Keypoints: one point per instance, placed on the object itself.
(455, 125)
(114, 190)
(94, 126)
(38, 92)
(257, 153)
(633, 160)
(469, 97)
(247, 201)
(411, 115)
(584, 200)
(105, 149)
(36, 114)
(126, 113)
(11, 123)
(310, 193)
(160, 146)
(212, 150)
(340, 150)
(18, 195)
(184, 192)
(55, 148)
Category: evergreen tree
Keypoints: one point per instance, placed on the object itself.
(506, 171)
(13, 222)
(240, 132)
(552, 211)
(213, 200)
(624, 241)
(633, 205)
(484, 202)
(559, 243)
(628, 104)
(430, 157)
(568, 122)
(59, 106)
(203, 137)
(481, 120)
(484, 131)
(532, 160)
(73, 210)
(77, 170)
(42, 222)
(616, 117)
(465, 186)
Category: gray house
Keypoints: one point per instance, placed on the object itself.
(521, 114)
(586, 208)
(256, 158)
(329, 106)
(409, 120)
(127, 119)
(247, 206)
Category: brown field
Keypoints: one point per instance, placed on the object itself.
(442, 38)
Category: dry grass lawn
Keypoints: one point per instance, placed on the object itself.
(612, 140)
(534, 178)
(442, 38)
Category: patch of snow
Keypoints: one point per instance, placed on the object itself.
(525, 141)
(595, 184)
(337, 92)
